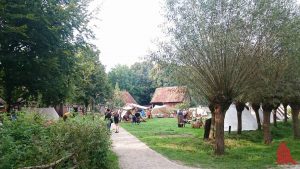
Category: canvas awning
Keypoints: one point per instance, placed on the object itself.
(47, 113)
(132, 106)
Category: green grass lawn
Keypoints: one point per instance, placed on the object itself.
(186, 145)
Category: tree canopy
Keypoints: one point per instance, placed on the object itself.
(224, 49)
(38, 44)
(135, 79)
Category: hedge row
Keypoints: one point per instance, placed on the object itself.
(31, 141)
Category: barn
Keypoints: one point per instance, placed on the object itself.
(170, 96)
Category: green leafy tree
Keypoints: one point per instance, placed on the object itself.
(276, 26)
(289, 86)
(117, 100)
(122, 75)
(144, 86)
(223, 48)
(163, 75)
(135, 79)
(91, 85)
(37, 45)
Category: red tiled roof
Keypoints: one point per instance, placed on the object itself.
(174, 94)
(127, 98)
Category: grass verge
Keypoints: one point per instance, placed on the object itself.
(186, 145)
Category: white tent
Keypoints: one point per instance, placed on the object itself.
(261, 116)
(132, 106)
(279, 114)
(138, 106)
(47, 113)
(248, 121)
(201, 110)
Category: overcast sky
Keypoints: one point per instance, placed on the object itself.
(126, 30)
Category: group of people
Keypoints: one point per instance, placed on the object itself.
(135, 116)
(112, 117)
(182, 117)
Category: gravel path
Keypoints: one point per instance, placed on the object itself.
(134, 154)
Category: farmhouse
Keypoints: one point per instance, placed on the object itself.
(127, 98)
(170, 96)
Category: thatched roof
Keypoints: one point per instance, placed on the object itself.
(176, 94)
(127, 98)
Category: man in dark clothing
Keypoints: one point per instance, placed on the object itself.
(207, 129)
(108, 118)
(137, 115)
(180, 120)
(116, 120)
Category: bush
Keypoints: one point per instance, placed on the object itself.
(29, 141)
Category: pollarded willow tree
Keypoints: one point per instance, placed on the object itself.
(214, 44)
(290, 83)
(280, 31)
(219, 46)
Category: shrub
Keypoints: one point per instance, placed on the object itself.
(29, 141)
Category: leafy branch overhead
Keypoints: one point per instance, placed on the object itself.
(232, 50)
(40, 42)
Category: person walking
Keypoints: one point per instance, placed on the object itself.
(116, 120)
(108, 118)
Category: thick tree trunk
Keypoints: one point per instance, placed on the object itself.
(256, 110)
(266, 123)
(239, 118)
(295, 118)
(8, 99)
(9, 105)
(61, 109)
(239, 108)
(219, 124)
(86, 105)
(275, 117)
(285, 112)
(212, 126)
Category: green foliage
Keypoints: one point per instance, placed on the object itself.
(117, 100)
(164, 75)
(122, 75)
(184, 105)
(143, 85)
(38, 41)
(91, 85)
(233, 50)
(187, 145)
(29, 141)
(135, 79)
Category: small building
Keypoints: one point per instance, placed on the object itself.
(127, 98)
(170, 96)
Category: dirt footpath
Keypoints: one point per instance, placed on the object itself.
(134, 154)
